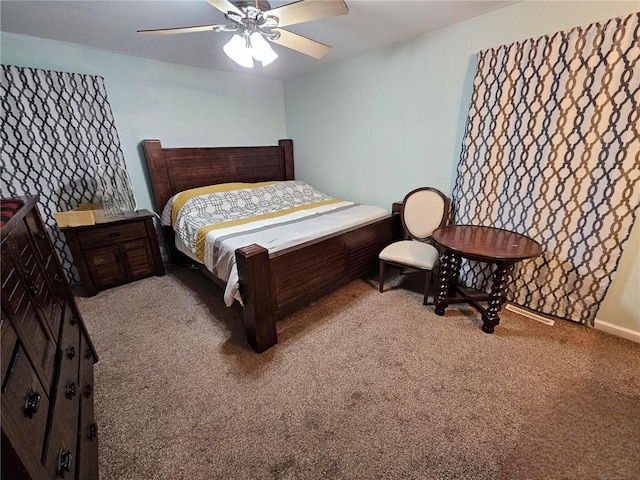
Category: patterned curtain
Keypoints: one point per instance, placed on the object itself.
(58, 140)
(552, 151)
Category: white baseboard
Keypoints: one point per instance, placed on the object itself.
(617, 331)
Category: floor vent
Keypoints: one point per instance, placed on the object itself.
(531, 315)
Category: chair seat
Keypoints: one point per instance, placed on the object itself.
(411, 253)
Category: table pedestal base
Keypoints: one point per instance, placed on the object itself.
(449, 292)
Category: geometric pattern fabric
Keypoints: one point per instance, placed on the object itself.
(58, 139)
(552, 150)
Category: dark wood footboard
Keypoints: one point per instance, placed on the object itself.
(277, 284)
(273, 286)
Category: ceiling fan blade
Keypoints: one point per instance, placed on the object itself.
(200, 28)
(301, 44)
(225, 6)
(307, 10)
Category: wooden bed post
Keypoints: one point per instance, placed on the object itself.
(256, 290)
(287, 149)
(158, 171)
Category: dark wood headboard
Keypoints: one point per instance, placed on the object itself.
(173, 170)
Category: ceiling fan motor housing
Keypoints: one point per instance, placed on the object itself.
(253, 9)
(257, 4)
(254, 20)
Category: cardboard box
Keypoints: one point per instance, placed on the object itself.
(85, 214)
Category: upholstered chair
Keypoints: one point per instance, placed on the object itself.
(423, 211)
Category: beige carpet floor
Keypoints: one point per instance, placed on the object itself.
(362, 385)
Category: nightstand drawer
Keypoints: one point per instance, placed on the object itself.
(109, 234)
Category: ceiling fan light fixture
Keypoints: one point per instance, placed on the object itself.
(242, 49)
(237, 50)
(261, 50)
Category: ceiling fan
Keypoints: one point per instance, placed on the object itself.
(255, 20)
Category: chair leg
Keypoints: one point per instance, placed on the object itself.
(427, 284)
(381, 276)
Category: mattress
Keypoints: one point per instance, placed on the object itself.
(212, 222)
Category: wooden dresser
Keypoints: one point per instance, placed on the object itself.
(48, 426)
(115, 252)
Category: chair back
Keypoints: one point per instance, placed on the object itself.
(424, 210)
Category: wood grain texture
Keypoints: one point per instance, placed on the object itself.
(173, 170)
(277, 284)
(485, 244)
(41, 330)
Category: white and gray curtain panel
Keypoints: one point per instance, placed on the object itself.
(552, 150)
(59, 140)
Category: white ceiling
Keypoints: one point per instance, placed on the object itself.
(112, 25)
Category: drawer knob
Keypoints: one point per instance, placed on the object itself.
(93, 431)
(71, 352)
(31, 284)
(88, 353)
(114, 234)
(32, 404)
(70, 389)
(73, 320)
(57, 278)
(38, 234)
(64, 462)
(88, 390)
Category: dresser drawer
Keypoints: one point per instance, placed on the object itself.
(35, 277)
(18, 304)
(109, 234)
(68, 384)
(25, 404)
(61, 457)
(45, 250)
(8, 346)
(88, 434)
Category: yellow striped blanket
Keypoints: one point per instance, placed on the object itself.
(212, 222)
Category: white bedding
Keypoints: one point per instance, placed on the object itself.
(313, 215)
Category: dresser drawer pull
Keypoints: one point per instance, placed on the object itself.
(71, 352)
(73, 320)
(57, 278)
(32, 404)
(70, 389)
(88, 353)
(31, 284)
(64, 462)
(93, 431)
(38, 234)
(88, 390)
(114, 234)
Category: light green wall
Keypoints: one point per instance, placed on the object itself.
(621, 305)
(372, 128)
(368, 129)
(181, 106)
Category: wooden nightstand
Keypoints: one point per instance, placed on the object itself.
(116, 252)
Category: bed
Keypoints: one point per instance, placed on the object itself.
(272, 284)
